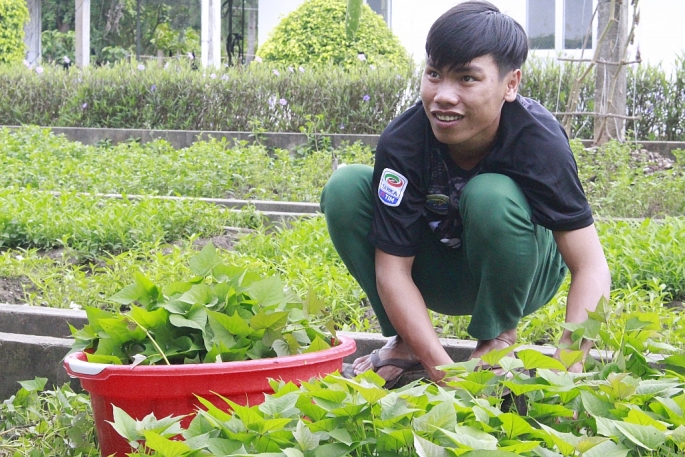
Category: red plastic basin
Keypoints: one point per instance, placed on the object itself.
(170, 389)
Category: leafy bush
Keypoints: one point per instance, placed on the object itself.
(13, 15)
(35, 158)
(314, 34)
(622, 406)
(620, 183)
(56, 45)
(222, 314)
(327, 99)
(254, 98)
(41, 422)
(90, 224)
(655, 97)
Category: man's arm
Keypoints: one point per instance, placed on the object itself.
(590, 277)
(408, 312)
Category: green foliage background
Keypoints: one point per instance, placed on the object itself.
(253, 98)
(13, 15)
(654, 96)
(314, 34)
(281, 98)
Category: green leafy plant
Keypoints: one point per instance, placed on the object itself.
(224, 314)
(623, 405)
(89, 224)
(140, 95)
(13, 16)
(56, 45)
(41, 422)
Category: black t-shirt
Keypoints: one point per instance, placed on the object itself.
(416, 182)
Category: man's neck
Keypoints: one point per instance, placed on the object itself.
(466, 158)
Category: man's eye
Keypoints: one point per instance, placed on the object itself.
(467, 78)
(433, 74)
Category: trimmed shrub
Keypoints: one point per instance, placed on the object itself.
(13, 15)
(277, 98)
(256, 98)
(655, 97)
(314, 34)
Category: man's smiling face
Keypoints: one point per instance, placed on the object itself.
(464, 104)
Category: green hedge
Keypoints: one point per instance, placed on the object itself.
(652, 94)
(255, 98)
(13, 15)
(260, 98)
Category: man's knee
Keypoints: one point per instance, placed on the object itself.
(346, 193)
(490, 202)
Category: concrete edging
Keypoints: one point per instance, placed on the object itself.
(184, 138)
(34, 341)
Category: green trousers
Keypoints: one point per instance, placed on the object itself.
(506, 268)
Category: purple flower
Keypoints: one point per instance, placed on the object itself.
(277, 73)
(301, 69)
(366, 98)
(283, 102)
(257, 59)
(39, 70)
(141, 67)
(272, 101)
(153, 87)
(191, 56)
(84, 106)
(342, 126)
(224, 77)
(291, 70)
(213, 76)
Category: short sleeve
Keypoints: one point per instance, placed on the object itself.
(397, 185)
(534, 151)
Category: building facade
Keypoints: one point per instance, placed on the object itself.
(555, 27)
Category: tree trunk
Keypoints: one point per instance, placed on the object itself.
(610, 73)
(352, 18)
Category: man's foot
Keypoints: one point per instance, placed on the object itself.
(502, 341)
(390, 362)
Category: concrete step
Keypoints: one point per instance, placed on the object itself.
(38, 320)
(24, 357)
(34, 341)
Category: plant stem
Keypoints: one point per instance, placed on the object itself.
(159, 350)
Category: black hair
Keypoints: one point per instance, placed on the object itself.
(473, 29)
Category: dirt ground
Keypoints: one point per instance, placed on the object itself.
(12, 290)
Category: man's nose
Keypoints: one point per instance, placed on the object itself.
(447, 94)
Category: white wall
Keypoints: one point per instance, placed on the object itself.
(270, 14)
(660, 36)
(412, 19)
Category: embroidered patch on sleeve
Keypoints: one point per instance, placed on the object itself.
(391, 187)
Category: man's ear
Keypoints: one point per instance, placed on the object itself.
(513, 80)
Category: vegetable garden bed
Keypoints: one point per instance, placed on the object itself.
(64, 246)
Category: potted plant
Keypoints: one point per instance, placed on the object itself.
(226, 331)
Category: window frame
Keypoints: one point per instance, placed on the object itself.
(559, 20)
(388, 20)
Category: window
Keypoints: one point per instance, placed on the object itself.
(560, 24)
(577, 17)
(541, 23)
(381, 7)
